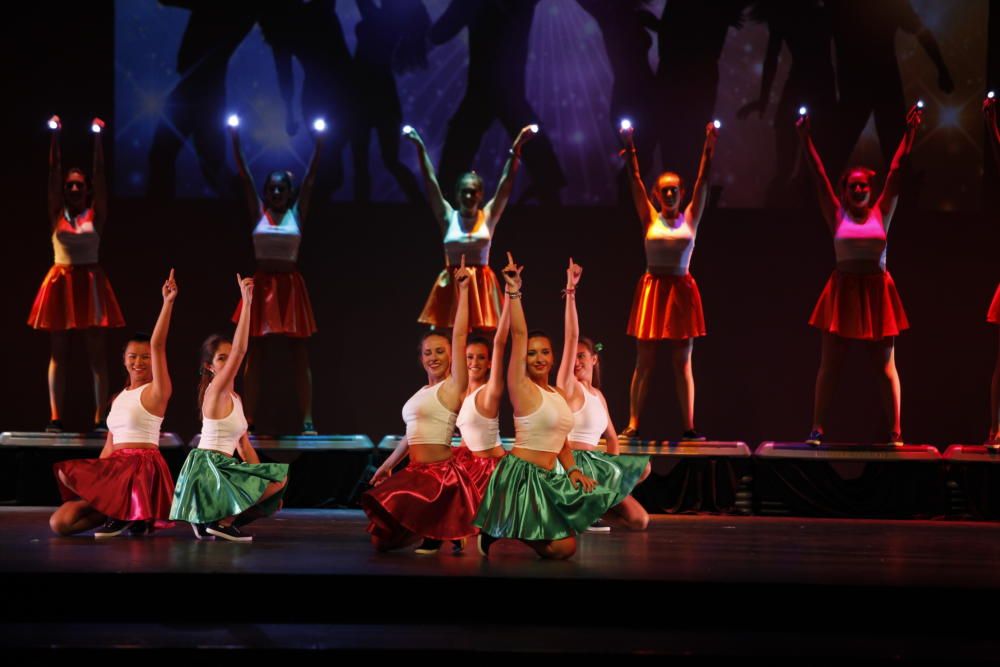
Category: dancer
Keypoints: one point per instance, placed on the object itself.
(667, 304)
(527, 499)
(468, 232)
(433, 497)
(128, 487)
(75, 293)
(860, 301)
(579, 379)
(215, 493)
(282, 304)
(993, 441)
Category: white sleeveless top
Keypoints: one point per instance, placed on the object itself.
(478, 432)
(76, 241)
(545, 429)
(428, 422)
(222, 435)
(669, 246)
(861, 240)
(474, 244)
(278, 241)
(128, 421)
(590, 421)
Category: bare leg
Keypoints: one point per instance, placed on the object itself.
(58, 363)
(303, 377)
(644, 363)
(680, 356)
(554, 549)
(75, 516)
(251, 377)
(830, 361)
(884, 357)
(97, 351)
(995, 401)
(629, 514)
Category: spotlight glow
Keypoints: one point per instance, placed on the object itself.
(534, 128)
(233, 120)
(53, 124)
(626, 124)
(319, 125)
(407, 129)
(803, 111)
(920, 104)
(990, 95)
(95, 128)
(717, 124)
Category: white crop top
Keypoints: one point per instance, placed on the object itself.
(76, 241)
(278, 241)
(861, 240)
(590, 421)
(222, 435)
(128, 421)
(478, 432)
(428, 422)
(669, 245)
(474, 243)
(545, 429)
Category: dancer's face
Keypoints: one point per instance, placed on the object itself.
(539, 358)
(220, 357)
(583, 365)
(278, 191)
(669, 192)
(435, 356)
(858, 189)
(477, 359)
(75, 190)
(470, 193)
(138, 362)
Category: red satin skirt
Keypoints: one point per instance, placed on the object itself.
(280, 305)
(436, 500)
(865, 306)
(484, 300)
(478, 468)
(75, 297)
(666, 307)
(130, 485)
(994, 314)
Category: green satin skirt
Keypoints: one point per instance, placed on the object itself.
(619, 473)
(526, 502)
(212, 486)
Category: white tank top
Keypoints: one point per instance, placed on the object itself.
(428, 422)
(590, 421)
(669, 245)
(545, 429)
(76, 241)
(278, 241)
(222, 435)
(861, 240)
(128, 421)
(474, 244)
(478, 432)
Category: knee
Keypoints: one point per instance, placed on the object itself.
(562, 550)
(645, 472)
(58, 525)
(638, 521)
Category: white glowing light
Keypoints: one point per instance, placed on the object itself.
(717, 124)
(920, 104)
(407, 129)
(319, 125)
(803, 111)
(534, 128)
(233, 120)
(626, 124)
(95, 128)
(991, 95)
(53, 125)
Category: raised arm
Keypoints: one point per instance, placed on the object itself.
(566, 379)
(439, 205)
(890, 192)
(494, 208)
(699, 195)
(217, 395)
(100, 180)
(458, 381)
(305, 192)
(155, 398)
(829, 204)
(644, 207)
(55, 173)
(495, 385)
(517, 376)
(249, 189)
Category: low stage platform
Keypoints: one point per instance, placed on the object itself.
(706, 586)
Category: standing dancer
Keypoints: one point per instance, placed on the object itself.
(128, 487)
(75, 293)
(579, 379)
(993, 441)
(468, 233)
(282, 304)
(667, 304)
(434, 496)
(860, 301)
(527, 499)
(215, 493)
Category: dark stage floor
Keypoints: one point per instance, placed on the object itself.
(691, 585)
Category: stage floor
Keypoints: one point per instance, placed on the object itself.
(694, 585)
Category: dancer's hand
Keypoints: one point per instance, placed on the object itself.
(98, 122)
(512, 274)
(526, 134)
(803, 127)
(169, 289)
(990, 107)
(414, 136)
(58, 123)
(626, 134)
(573, 274)
(246, 289)
(380, 476)
(582, 481)
(463, 275)
(711, 135)
(914, 117)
